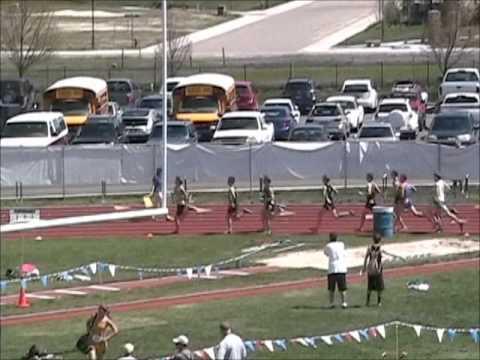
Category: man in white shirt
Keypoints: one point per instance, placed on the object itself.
(232, 346)
(337, 269)
(439, 205)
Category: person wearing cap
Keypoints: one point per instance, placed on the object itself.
(182, 352)
(128, 349)
(232, 346)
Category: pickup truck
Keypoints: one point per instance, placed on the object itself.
(462, 102)
(461, 80)
(243, 127)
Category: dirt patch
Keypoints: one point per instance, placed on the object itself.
(424, 248)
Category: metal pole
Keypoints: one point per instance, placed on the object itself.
(164, 105)
(250, 169)
(93, 24)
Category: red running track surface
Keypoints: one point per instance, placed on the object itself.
(213, 222)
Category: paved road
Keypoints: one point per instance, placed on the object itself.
(288, 32)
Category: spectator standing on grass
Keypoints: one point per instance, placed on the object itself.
(373, 265)
(128, 349)
(232, 346)
(337, 269)
(182, 352)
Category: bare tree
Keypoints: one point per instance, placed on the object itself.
(444, 33)
(27, 35)
(179, 47)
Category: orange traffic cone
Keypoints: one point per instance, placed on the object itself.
(22, 299)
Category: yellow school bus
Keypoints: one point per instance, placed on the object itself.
(76, 98)
(203, 99)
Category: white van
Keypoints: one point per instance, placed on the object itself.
(35, 129)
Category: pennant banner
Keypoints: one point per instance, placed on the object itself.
(282, 344)
(418, 329)
(268, 344)
(440, 334)
(111, 269)
(327, 340)
(381, 330)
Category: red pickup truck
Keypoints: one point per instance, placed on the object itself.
(246, 96)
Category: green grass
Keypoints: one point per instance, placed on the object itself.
(452, 302)
(350, 195)
(392, 33)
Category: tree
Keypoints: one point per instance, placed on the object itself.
(444, 33)
(27, 36)
(179, 47)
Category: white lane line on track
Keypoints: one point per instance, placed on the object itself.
(70, 292)
(104, 288)
(41, 297)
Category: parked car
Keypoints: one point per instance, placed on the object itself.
(246, 96)
(308, 133)
(461, 80)
(125, 92)
(138, 124)
(35, 129)
(365, 92)
(453, 128)
(287, 103)
(351, 108)
(16, 96)
(302, 93)
(178, 132)
(418, 98)
(155, 102)
(400, 115)
(282, 120)
(377, 131)
(331, 116)
(99, 130)
(462, 102)
(242, 127)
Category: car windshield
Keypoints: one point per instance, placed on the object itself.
(136, 112)
(375, 132)
(171, 85)
(325, 111)
(72, 108)
(295, 87)
(461, 76)
(240, 123)
(461, 100)
(173, 131)
(97, 130)
(275, 113)
(242, 90)
(119, 86)
(199, 105)
(346, 104)
(386, 108)
(25, 129)
(307, 135)
(355, 88)
(135, 121)
(151, 103)
(405, 95)
(452, 124)
(10, 92)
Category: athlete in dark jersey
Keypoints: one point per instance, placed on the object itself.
(268, 198)
(329, 193)
(232, 207)
(372, 191)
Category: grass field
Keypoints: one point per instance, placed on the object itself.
(452, 302)
(392, 33)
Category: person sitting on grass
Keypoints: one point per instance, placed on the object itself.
(182, 352)
(373, 265)
(337, 269)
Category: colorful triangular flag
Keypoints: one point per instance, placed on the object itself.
(440, 334)
(250, 345)
(93, 268)
(44, 280)
(339, 338)
(373, 332)
(281, 343)
(210, 352)
(418, 329)
(268, 344)
(199, 354)
(381, 330)
(451, 334)
(364, 333)
(475, 334)
(208, 270)
(189, 273)
(140, 275)
(311, 342)
(300, 341)
(326, 339)
(111, 269)
(355, 335)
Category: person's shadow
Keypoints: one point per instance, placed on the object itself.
(323, 307)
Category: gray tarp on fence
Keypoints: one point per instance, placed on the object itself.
(66, 170)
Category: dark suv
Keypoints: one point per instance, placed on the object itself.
(16, 96)
(302, 93)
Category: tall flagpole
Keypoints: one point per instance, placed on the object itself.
(164, 106)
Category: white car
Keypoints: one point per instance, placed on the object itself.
(286, 103)
(364, 91)
(353, 111)
(35, 129)
(376, 131)
(469, 102)
(243, 127)
(400, 115)
(461, 80)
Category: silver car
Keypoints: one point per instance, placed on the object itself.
(332, 118)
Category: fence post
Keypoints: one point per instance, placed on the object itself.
(250, 170)
(345, 163)
(191, 62)
(290, 70)
(104, 190)
(63, 172)
(155, 71)
(245, 72)
(381, 75)
(413, 68)
(17, 191)
(64, 71)
(223, 56)
(47, 75)
(439, 158)
(428, 74)
(123, 58)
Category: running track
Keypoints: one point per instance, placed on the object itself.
(214, 222)
(229, 294)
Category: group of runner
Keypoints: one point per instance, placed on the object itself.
(402, 194)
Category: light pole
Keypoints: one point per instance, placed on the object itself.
(93, 24)
(164, 105)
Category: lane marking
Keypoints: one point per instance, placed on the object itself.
(104, 288)
(70, 292)
(42, 297)
(234, 273)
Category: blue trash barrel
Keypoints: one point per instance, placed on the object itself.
(384, 221)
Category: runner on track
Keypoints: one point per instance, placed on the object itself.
(372, 191)
(268, 198)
